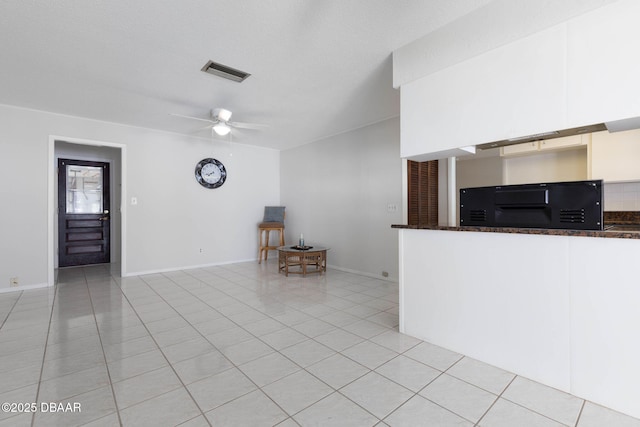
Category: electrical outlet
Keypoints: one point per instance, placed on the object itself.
(201, 250)
(392, 207)
(13, 282)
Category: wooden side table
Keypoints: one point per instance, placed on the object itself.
(291, 256)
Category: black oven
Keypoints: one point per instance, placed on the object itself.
(568, 205)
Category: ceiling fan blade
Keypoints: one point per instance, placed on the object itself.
(202, 128)
(241, 125)
(194, 118)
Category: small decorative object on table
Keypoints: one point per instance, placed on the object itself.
(301, 246)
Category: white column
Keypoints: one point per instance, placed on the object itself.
(452, 197)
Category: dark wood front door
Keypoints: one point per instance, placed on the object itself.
(83, 213)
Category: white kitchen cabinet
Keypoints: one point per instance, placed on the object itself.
(580, 72)
(574, 141)
(615, 157)
(520, 149)
(536, 147)
(491, 97)
(603, 65)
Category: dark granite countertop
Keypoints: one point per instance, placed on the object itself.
(618, 225)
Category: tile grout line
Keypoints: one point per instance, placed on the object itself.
(340, 352)
(427, 385)
(369, 339)
(369, 370)
(352, 302)
(163, 355)
(524, 407)
(302, 302)
(11, 309)
(584, 402)
(337, 353)
(44, 353)
(495, 401)
(277, 351)
(214, 346)
(535, 411)
(104, 356)
(203, 336)
(418, 394)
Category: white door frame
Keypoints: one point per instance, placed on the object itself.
(51, 208)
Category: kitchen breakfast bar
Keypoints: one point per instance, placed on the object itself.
(561, 307)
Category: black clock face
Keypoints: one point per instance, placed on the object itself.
(210, 173)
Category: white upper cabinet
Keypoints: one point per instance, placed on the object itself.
(515, 90)
(583, 71)
(568, 142)
(615, 157)
(555, 144)
(523, 149)
(603, 64)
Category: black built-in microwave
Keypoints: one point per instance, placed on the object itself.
(576, 205)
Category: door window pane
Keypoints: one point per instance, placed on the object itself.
(84, 189)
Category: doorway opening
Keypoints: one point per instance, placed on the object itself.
(86, 218)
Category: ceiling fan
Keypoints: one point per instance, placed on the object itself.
(220, 122)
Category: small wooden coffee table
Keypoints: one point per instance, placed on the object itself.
(292, 256)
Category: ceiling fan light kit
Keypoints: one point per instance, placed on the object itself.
(220, 122)
(221, 129)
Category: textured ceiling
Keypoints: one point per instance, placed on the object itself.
(319, 67)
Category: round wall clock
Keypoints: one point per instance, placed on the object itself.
(210, 173)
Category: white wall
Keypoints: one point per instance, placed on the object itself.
(175, 217)
(556, 166)
(622, 196)
(479, 172)
(615, 156)
(336, 192)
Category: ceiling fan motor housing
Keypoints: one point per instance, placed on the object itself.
(221, 114)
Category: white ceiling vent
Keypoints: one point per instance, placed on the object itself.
(224, 71)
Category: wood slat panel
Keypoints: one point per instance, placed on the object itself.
(423, 193)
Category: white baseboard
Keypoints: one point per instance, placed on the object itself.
(364, 273)
(24, 288)
(217, 264)
(190, 267)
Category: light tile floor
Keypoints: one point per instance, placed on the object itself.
(241, 345)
